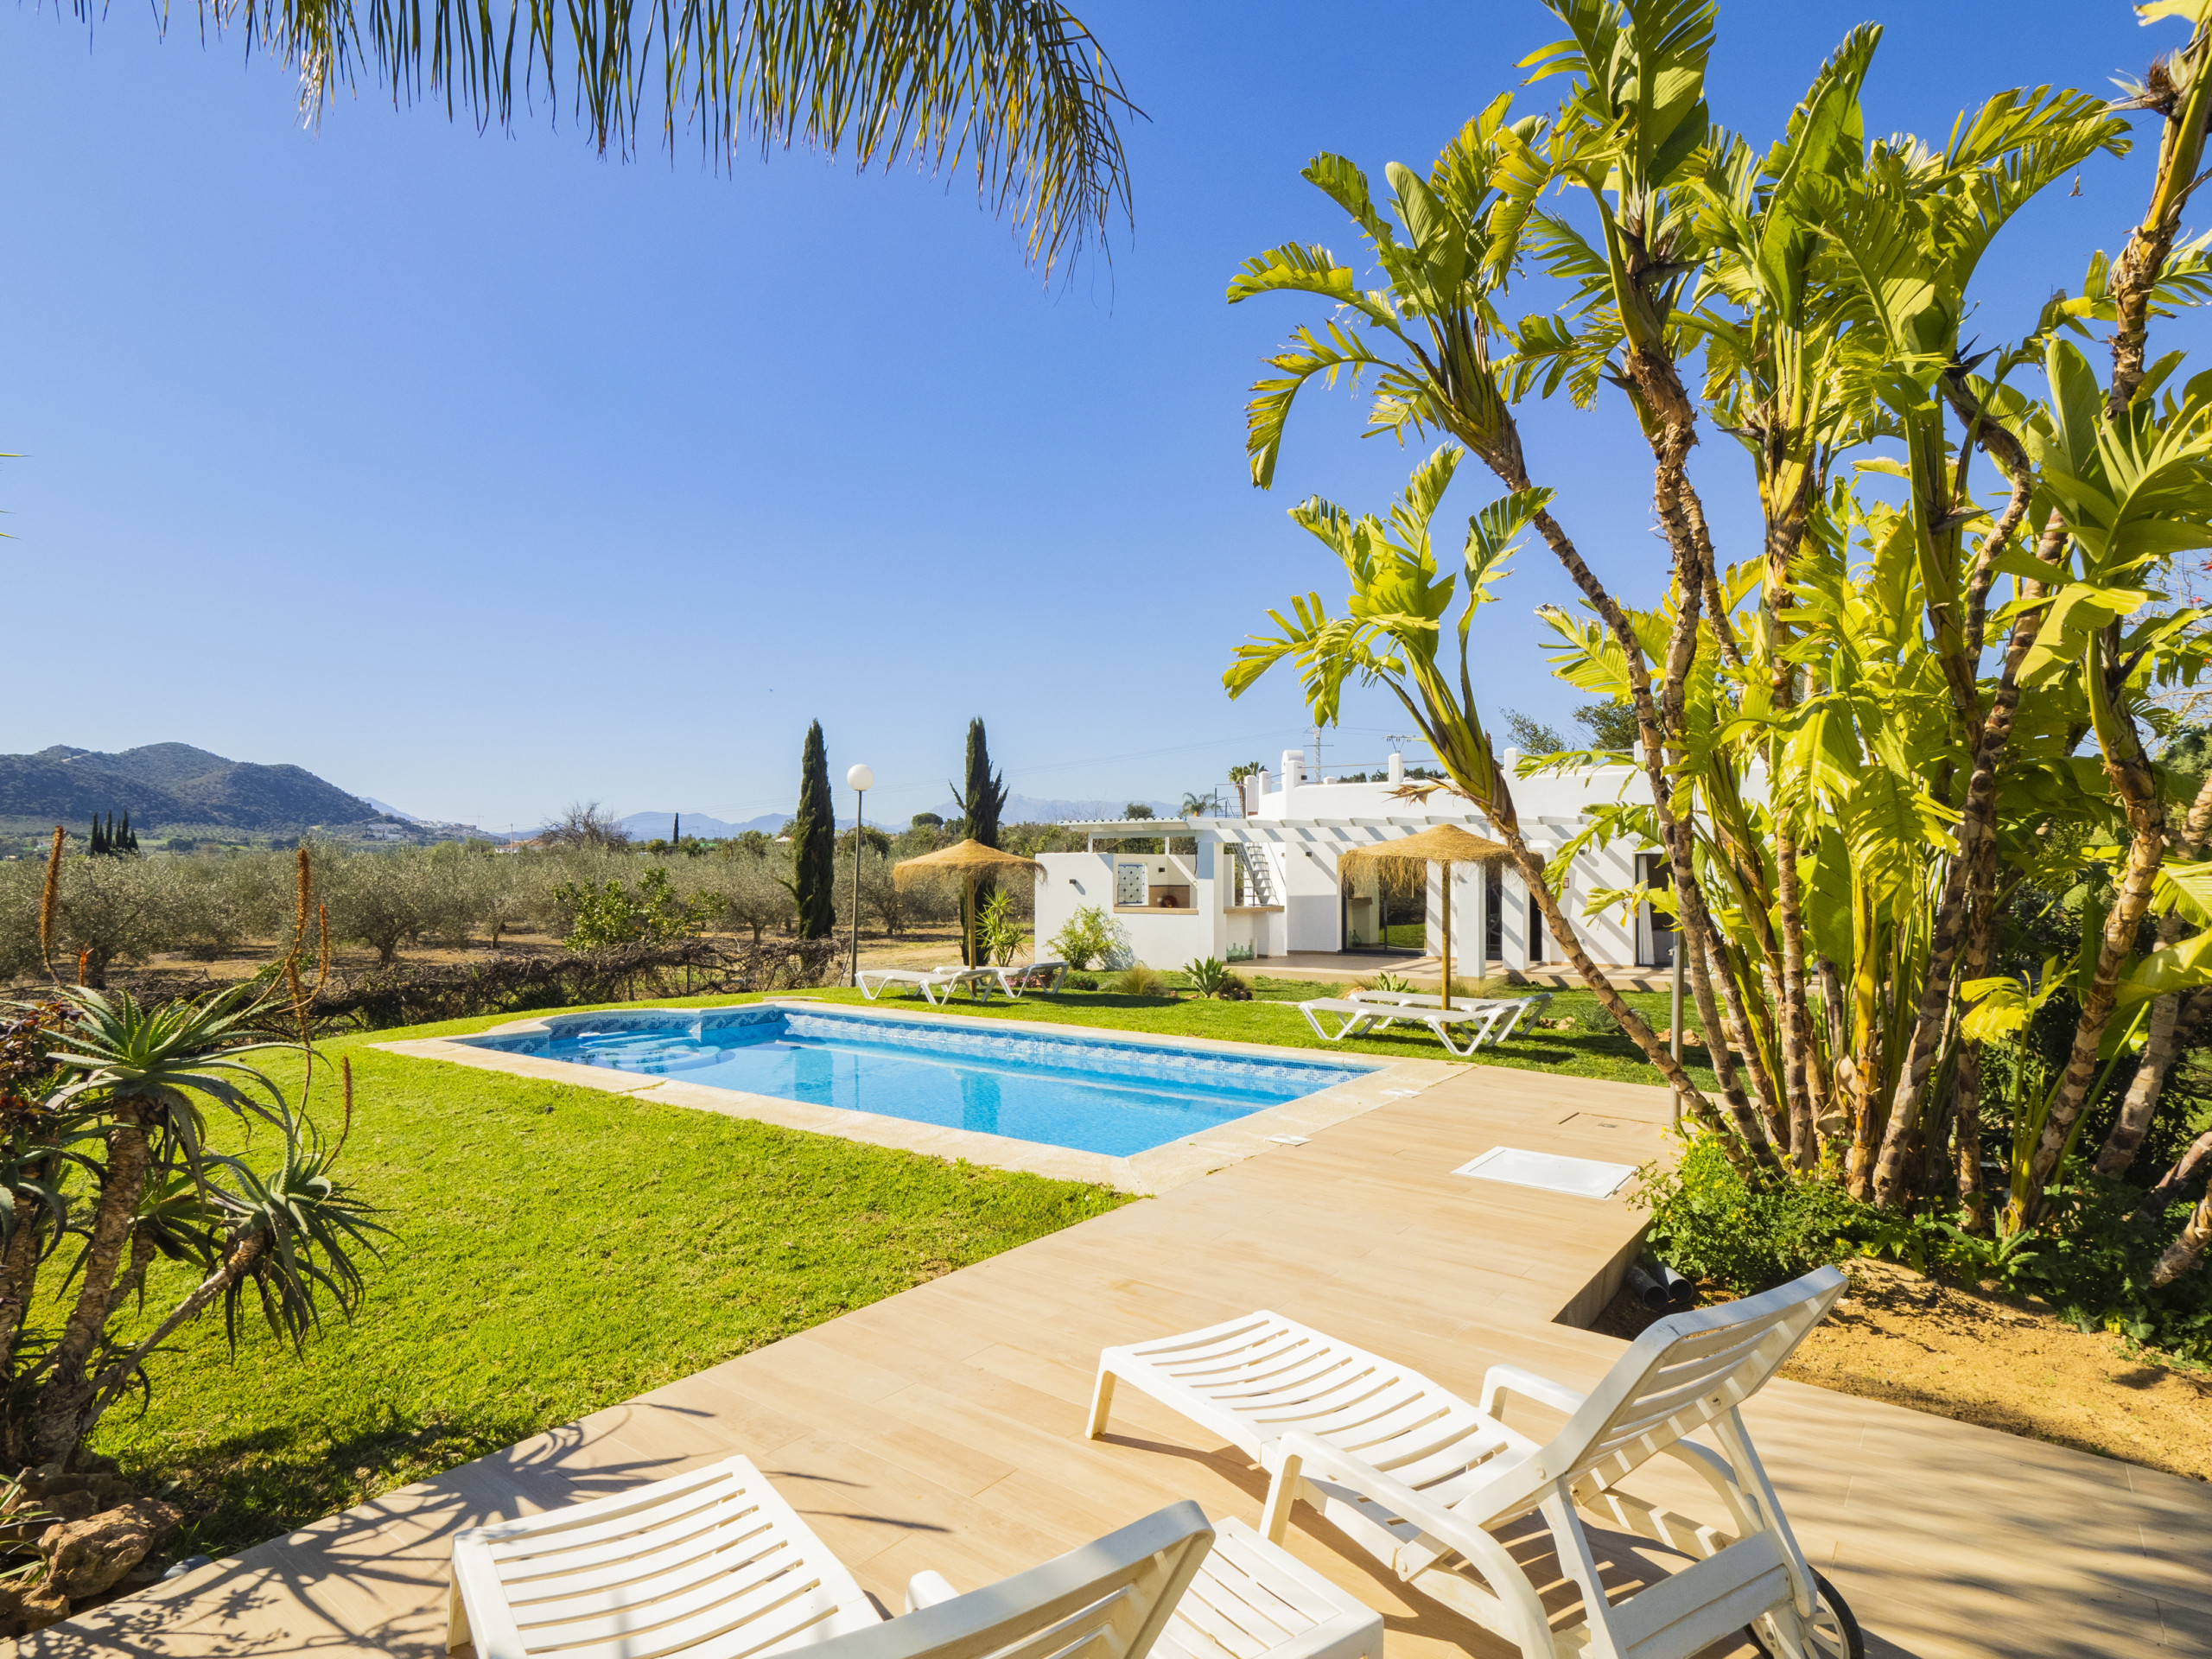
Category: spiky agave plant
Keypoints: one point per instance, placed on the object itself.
(113, 1150)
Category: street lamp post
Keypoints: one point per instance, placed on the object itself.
(861, 779)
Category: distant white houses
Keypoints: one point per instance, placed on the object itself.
(1266, 884)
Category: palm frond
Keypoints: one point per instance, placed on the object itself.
(1018, 89)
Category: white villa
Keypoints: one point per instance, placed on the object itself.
(1266, 884)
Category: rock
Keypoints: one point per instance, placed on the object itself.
(86, 1557)
(69, 1506)
(110, 1490)
(22, 1612)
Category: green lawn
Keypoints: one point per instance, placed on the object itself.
(556, 1250)
(559, 1249)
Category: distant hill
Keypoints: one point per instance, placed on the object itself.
(1026, 808)
(657, 826)
(167, 785)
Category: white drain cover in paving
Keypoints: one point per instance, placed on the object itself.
(1583, 1178)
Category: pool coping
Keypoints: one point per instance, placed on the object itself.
(1145, 1173)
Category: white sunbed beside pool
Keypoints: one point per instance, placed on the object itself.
(716, 1563)
(1357, 1017)
(935, 986)
(1518, 1007)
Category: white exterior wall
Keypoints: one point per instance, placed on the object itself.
(1302, 816)
(1157, 938)
(1551, 806)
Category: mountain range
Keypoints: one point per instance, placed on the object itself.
(163, 785)
(1019, 809)
(657, 826)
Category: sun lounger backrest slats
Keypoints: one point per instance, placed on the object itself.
(1683, 1372)
(1109, 1599)
(711, 1564)
(756, 1553)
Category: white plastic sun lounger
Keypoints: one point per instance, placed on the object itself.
(874, 981)
(1037, 977)
(1416, 1475)
(935, 986)
(1518, 1007)
(714, 1565)
(1356, 1017)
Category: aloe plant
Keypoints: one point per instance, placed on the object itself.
(109, 1165)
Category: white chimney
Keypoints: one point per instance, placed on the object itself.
(1397, 768)
(1293, 768)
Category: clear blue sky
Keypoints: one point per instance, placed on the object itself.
(481, 473)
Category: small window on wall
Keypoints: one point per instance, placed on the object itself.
(1129, 884)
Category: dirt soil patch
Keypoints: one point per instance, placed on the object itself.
(1984, 1356)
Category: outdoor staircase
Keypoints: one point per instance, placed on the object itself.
(1259, 880)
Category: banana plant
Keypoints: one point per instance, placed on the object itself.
(1402, 604)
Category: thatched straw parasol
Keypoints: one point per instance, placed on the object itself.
(970, 861)
(1443, 843)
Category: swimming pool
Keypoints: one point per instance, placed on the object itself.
(1090, 1093)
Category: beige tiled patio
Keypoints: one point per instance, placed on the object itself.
(943, 1427)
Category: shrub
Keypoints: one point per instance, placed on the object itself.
(998, 935)
(1090, 936)
(1137, 980)
(109, 909)
(614, 915)
(1080, 982)
(1707, 1222)
(1209, 976)
(2094, 1268)
(379, 900)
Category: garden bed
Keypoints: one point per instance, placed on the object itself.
(1981, 1355)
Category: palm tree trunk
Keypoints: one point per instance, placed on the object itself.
(1501, 451)
(115, 1378)
(1977, 823)
(57, 1421)
(1965, 1087)
(2187, 1250)
(2141, 1101)
(2135, 274)
(2138, 789)
(1532, 871)
(1504, 818)
(2163, 1041)
(2199, 1154)
(18, 1277)
(1796, 1011)
(1670, 424)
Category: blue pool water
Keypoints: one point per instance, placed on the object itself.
(1091, 1093)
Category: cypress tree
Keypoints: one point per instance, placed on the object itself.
(981, 800)
(97, 846)
(814, 843)
(130, 840)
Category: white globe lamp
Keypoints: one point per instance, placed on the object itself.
(861, 778)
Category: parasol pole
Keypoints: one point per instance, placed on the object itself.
(968, 910)
(1447, 939)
